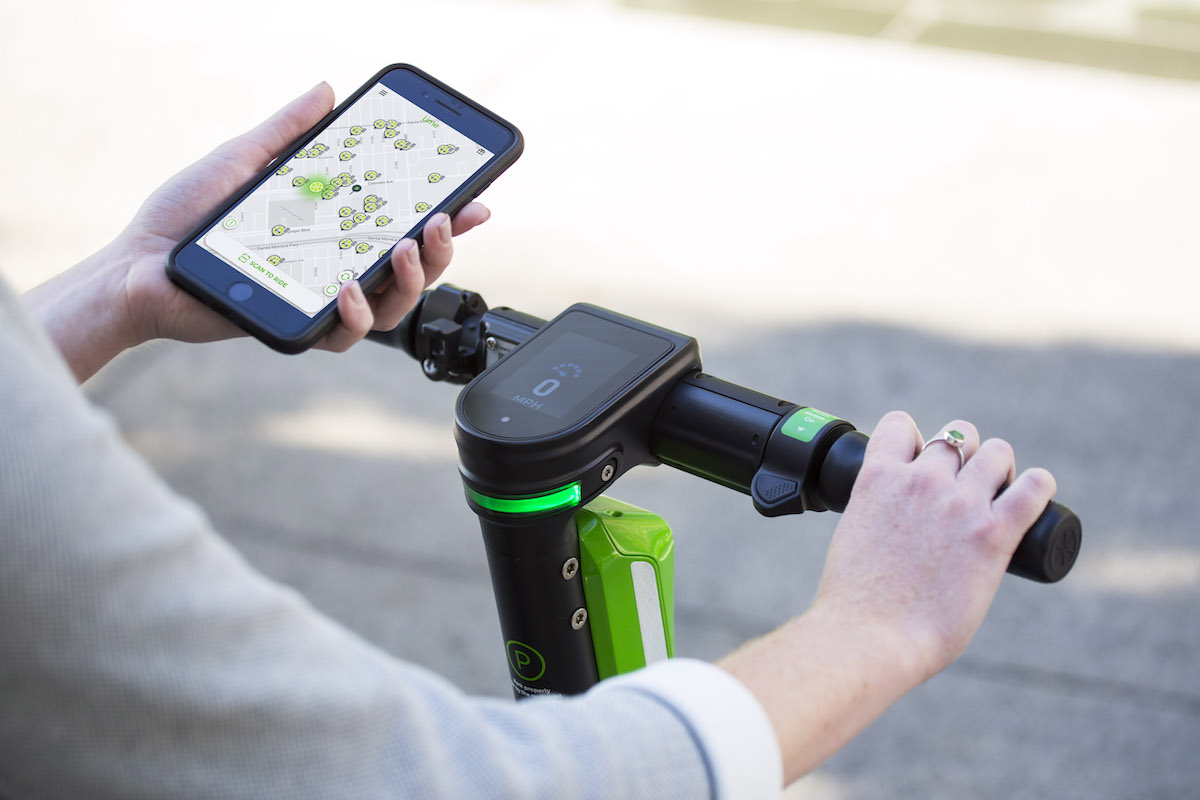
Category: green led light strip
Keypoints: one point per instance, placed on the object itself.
(565, 497)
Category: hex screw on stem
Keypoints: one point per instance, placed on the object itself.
(490, 343)
(607, 473)
(579, 618)
(430, 367)
(569, 568)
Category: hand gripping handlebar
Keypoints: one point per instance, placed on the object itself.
(789, 458)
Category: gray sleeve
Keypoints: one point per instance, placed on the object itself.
(141, 657)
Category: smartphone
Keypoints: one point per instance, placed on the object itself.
(400, 149)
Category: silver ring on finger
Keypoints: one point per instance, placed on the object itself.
(952, 438)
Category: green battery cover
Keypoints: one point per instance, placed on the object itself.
(627, 559)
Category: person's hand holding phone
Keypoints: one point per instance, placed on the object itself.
(120, 297)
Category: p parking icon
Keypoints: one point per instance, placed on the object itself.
(526, 663)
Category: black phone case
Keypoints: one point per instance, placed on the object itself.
(328, 317)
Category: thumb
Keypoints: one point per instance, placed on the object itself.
(255, 148)
(176, 206)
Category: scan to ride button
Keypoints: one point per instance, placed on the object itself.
(240, 291)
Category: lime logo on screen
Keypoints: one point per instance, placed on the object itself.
(525, 661)
(314, 186)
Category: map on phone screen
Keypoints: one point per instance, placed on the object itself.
(345, 198)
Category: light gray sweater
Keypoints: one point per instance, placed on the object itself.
(142, 657)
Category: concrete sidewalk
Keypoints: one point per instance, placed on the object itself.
(855, 224)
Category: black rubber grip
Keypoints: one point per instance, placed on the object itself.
(1046, 552)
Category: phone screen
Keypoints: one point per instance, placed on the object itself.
(343, 200)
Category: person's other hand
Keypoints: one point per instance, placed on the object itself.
(923, 543)
(157, 308)
(911, 571)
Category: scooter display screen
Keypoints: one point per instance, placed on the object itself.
(561, 376)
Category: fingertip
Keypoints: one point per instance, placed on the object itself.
(1021, 503)
(408, 275)
(354, 309)
(354, 292)
(316, 102)
(404, 255)
(470, 216)
(323, 89)
(1043, 483)
(437, 230)
(408, 279)
(897, 423)
(895, 418)
(897, 436)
